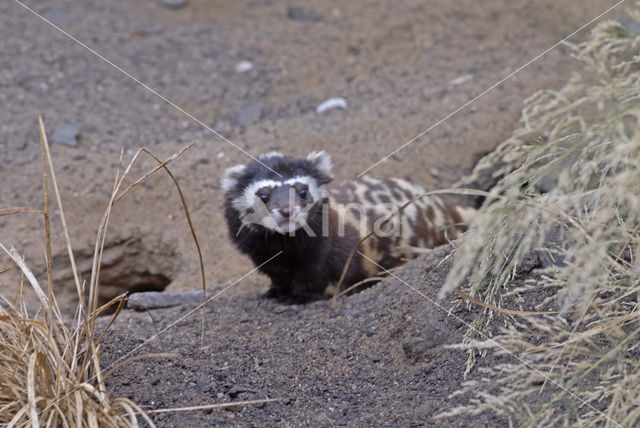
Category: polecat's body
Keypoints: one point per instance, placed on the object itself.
(313, 226)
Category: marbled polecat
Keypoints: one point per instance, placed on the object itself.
(315, 225)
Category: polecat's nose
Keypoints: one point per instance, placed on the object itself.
(285, 211)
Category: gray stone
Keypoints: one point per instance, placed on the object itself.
(302, 14)
(237, 389)
(249, 115)
(203, 386)
(66, 133)
(628, 22)
(160, 299)
(58, 16)
(173, 4)
(424, 370)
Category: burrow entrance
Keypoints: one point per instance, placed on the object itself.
(128, 266)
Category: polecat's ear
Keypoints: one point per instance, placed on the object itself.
(322, 162)
(230, 177)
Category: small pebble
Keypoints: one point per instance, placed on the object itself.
(460, 80)
(173, 4)
(244, 66)
(66, 133)
(302, 14)
(331, 103)
(424, 370)
(203, 386)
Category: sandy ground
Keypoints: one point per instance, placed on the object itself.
(401, 66)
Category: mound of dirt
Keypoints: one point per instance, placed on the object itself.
(380, 356)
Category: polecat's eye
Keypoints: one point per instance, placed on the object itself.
(263, 197)
(302, 192)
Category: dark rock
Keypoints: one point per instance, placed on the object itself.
(66, 133)
(237, 389)
(628, 22)
(302, 14)
(173, 4)
(203, 386)
(154, 380)
(249, 115)
(424, 370)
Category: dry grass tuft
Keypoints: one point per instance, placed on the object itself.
(41, 383)
(578, 363)
(50, 372)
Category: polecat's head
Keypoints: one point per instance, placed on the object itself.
(284, 202)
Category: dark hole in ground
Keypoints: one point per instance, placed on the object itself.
(129, 265)
(148, 281)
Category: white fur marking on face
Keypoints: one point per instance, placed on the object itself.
(230, 177)
(322, 161)
(248, 197)
(317, 192)
(273, 220)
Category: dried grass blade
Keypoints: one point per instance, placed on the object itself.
(17, 210)
(593, 331)
(502, 310)
(27, 272)
(31, 390)
(92, 420)
(161, 164)
(17, 417)
(140, 357)
(214, 406)
(79, 408)
(45, 144)
(185, 206)
(130, 406)
(121, 299)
